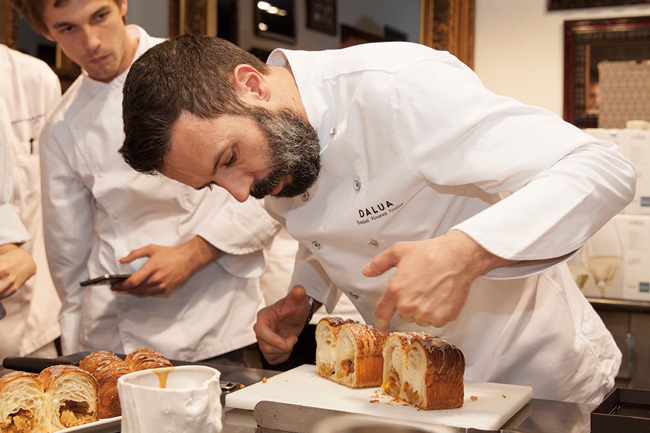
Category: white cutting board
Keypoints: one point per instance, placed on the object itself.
(495, 404)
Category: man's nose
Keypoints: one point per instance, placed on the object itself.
(239, 187)
(91, 38)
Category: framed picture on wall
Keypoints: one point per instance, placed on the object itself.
(587, 43)
(321, 16)
(577, 4)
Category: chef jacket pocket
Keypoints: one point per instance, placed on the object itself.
(26, 172)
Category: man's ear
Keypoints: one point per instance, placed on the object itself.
(124, 7)
(48, 36)
(251, 86)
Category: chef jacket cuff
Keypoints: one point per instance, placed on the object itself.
(521, 269)
(243, 265)
(240, 229)
(12, 230)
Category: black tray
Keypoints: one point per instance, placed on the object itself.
(623, 410)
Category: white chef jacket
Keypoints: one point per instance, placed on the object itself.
(413, 146)
(29, 89)
(98, 209)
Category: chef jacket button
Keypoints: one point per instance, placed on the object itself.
(354, 295)
(333, 130)
(315, 245)
(305, 196)
(356, 185)
(374, 244)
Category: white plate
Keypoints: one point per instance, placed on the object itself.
(106, 425)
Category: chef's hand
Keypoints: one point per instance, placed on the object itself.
(279, 325)
(168, 268)
(432, 280)
(16, 267)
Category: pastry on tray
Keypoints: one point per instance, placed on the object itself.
(23, 408)
(106, 368)
(145, 359)
(71, 394)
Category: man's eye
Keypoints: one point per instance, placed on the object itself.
(232, 160)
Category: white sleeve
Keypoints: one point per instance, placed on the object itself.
(309, 273)
(12, 230)
(67, 219)
(558, 184)
(241, 230)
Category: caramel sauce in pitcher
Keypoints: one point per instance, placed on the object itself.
(162, 374)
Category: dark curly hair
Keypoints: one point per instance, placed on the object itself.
(190, 73)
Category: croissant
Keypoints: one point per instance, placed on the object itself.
(71, 394)
(145, 358)
(423, 370)
(327, 330)
(106, 368)
(22, 404)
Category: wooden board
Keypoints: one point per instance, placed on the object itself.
(495, 403)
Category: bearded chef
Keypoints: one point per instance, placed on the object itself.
(432, 203)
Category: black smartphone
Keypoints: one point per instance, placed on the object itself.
(108, 279)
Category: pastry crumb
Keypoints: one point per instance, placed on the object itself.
(473, 398)
(264, 380)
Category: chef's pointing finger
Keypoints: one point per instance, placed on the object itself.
(380, 264)
(384, 311)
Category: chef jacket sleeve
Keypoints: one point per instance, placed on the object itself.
(67, 220)
(558, 184)
(12, 230)
(241, 230)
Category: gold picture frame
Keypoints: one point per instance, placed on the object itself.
(449, 25)
(584, 40)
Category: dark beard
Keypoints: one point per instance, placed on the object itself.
(294, 153)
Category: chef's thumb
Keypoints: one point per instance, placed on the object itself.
(297, 295)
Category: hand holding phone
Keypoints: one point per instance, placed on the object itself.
(107, 279)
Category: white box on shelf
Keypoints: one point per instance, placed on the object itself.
(635, 145)
(634, 231)
(603, 133)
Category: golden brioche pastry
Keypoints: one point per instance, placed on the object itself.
(423, 370)
(327, 330)
(349, 352)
